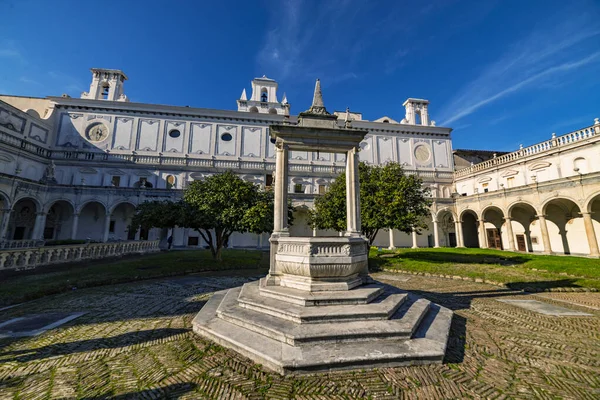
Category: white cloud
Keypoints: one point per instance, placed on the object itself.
(547, 53)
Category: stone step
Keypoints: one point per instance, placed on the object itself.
(295, 334)
(361, 295)
(385, 306)
(319, 357)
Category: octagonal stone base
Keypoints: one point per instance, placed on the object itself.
(319, 263)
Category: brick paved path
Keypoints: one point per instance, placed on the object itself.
(135, 342)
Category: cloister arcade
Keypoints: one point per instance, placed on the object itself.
(558, 225)
(60, 219)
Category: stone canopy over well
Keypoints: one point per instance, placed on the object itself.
(318, 309)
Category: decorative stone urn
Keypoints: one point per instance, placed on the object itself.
(318, 309)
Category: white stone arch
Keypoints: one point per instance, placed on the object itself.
(439, 212)
(37, 202)
(490, 206)
(51, 202)
(566, 229)
(23, 221)
(461, 214)
(515, 203)
(118, 203)
(82, 205)
(6, 199)
(587, 203)
(545, 203)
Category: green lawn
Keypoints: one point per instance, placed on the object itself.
(517, 270)
(27, 285)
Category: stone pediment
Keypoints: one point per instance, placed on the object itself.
(509, 173)
(143, 173)
(484, 179)
(5, 158)
(115, 172)
(88, 170)
(539, 165)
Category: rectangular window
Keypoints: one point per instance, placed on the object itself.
(193, 241)
(510, 182)
(269, 180)
(298, 188)
(116, 181)
(485, 187)
(322, 189)
(111, 227)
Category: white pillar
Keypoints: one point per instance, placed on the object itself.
(590, 233)
(436, 235)
(545, 236)
(281, 189)
(414, 239)
(74, 226)
(482, 235)
(353, 225)
(458, 233)
(38, 228)
(5, 223)
(106, 227)
(392, 246)
(509, 233)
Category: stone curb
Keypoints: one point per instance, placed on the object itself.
(494, 283)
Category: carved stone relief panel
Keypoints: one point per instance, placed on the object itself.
(200, 138)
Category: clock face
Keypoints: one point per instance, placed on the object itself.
(97, 132)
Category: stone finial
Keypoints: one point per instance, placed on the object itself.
(317, 106)
(284, 100)
(243, 96)
(553, 135)
(596, 121)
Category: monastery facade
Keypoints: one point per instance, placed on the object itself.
(76, 168)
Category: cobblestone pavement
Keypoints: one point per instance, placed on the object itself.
(135, 342)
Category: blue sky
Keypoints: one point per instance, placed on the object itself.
(500, 73)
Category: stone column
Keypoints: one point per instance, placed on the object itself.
(545, 236)
(392, 246)
(458, 233)
(509, 233)
(5, 223)
(590, 233)
(40, 224)
(352, 194)
(106, 227)
(74, 226)
(482, 236)
(414, 239)
(436, 235)
(281, 189)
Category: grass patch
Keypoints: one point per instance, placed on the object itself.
(516, 270)
(27, 285)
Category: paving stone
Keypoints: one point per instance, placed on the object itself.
(135, 341)
(545, 308)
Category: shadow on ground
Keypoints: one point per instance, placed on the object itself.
(439, 257)
(112, 342)
(173, 391)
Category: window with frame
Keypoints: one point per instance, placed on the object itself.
(485, 187)
(115, 181)
(298, 188)
(111, 227)
(510, 182)
(322, 189)
(269, 180)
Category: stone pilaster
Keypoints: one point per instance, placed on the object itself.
(545, 236)
(106, 228)
(590, 233)
(482, 237)
(509, 234)
(40, 224)
(5, 223)
(74, 226)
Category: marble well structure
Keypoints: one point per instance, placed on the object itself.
(318, 309)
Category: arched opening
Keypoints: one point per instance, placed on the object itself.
(417, 117)
(264, 96)
(386, 121)
(469, 229)
(119, 222)
(92, 219)
(566, 229)
(447, 229)
(105, 90)
(253, 109)
(22, 220)
(143, 183)
(494, 220)
(526, 228)
(59, 221)
(272, 111)
(170, 182)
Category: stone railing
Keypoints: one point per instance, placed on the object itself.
(556, 141)
(27, 258)
(20, 244)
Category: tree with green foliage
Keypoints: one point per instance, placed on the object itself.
(216, 207)
(389, 198)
